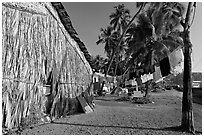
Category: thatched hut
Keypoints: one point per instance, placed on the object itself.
(39, 44)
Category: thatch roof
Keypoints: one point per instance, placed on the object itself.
(40, 55)
(65, 19)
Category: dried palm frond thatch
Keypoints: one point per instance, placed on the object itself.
(34, 45)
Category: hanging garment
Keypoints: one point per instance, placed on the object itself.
(146, 77)
(132, 82)
(165, 66)
(157, 74)
(149, 76)
(178, 69)
(176, 57)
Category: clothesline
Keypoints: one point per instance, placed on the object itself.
(171, 64)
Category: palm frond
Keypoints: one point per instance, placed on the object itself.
(99, 41)
(180, 7)
(138, 55)
(143, 20)
(127, 11)
(132, 29)
(158, 22)
(139, 4)
(133, 47)
(112, 15)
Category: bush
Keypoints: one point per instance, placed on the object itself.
(141, 100)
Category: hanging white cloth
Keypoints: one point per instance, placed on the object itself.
(176, 59)
(146, 77)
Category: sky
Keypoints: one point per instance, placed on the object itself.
(88, 17)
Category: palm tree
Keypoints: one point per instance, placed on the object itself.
(120, 18)
(120, 55)
(99, 63)
(187, 123)
(151, 33)
(108, 37)
(165, 32)
(119, 21)
(122, 39)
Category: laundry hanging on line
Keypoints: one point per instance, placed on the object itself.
(178, 69)
(171, 64)
(165, 66)
(146, 77)
(176, 59)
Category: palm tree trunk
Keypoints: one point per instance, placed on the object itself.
(115, 72)
(187, 123)
(187, 102)
(106, 73)
(116, 68)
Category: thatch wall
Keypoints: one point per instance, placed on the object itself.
(34, 43)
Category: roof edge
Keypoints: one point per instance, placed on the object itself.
(65, 19)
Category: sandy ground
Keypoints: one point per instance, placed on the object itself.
(124, 118)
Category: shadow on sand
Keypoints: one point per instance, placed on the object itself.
(175, 128)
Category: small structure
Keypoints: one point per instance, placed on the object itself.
(98, 78)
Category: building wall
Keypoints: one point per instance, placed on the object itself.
(34, 42)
